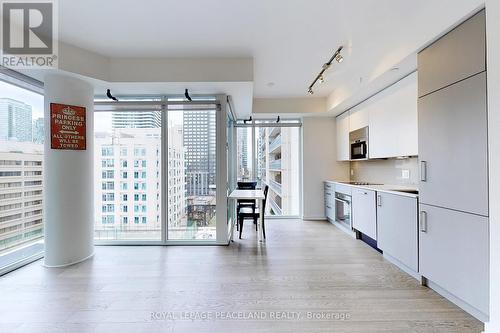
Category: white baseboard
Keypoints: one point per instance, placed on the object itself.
(314, 218)
(458, 302)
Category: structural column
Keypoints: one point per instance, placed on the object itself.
(68, 180)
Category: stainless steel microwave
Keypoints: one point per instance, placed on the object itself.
(358, 140)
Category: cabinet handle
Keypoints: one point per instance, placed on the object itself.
(423, 221)
(423, 171)
(379, 200)
(328, 207)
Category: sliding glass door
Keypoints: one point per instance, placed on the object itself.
(192, 166)
(269, 153)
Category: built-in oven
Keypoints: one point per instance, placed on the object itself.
(359, 144)
(343, 210)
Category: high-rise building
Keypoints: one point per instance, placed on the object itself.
(15, 120)
(242, 138)
(136, 119)
(21, 184)
(200, 145)
(128, 179)
(38, 131)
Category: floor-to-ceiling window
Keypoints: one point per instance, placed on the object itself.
(156, 170)
(127, 175)
(269, 153)
(21, 171)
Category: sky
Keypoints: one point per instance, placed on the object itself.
(35, 100)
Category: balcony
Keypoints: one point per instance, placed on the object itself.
(275, 144)
(275, 165)
(275, 186)
(275, 207)
(274, 131)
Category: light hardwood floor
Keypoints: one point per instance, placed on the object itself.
(305, 266)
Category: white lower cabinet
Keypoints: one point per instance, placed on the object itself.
(330, 201)
(364, 212)
(453, 252)
(397, 228)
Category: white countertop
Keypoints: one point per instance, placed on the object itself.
(393, 189)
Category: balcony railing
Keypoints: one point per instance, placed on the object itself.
(275, 186)
(275, 165)
(275, 206)
(275, 144)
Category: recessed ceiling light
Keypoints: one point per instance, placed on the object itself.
(321, 79)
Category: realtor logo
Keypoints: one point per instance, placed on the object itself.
(29, 34)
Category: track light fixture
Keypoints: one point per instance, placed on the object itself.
(110, 96)
(337, 57)
(186, 94)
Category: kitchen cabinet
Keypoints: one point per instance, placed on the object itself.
(454, 251)
(397, 228)
(453, 146)
(364, 212)
(330, 201)
(453, 156)
(393, 129)
(358, 117)
(343, 147)
(454, 57)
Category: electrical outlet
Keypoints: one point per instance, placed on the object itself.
(405, 174)
(352, 172)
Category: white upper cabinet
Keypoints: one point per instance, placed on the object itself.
(393, 120)
(358, 118)
(343, 137)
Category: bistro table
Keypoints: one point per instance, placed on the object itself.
(249, 195)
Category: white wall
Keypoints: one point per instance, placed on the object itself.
(319, 163)
(302, 105)
(493, 65)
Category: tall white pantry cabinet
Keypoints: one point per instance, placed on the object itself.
(453, 188)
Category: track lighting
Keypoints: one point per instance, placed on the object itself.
(337, 57)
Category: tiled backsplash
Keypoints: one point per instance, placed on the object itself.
(389, 171)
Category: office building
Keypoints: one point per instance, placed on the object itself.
(21, 194)
(136, 119)
(15, 120)
(200, 144)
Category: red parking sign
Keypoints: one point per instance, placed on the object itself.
(68, 128)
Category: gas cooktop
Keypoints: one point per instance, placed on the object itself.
(360, 183)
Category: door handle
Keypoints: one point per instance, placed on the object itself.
(423, 171)
(423, 221)
(379, 200)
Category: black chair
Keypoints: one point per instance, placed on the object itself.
(249, 213)
(247, 203)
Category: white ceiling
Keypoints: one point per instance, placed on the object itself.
(288, 39)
